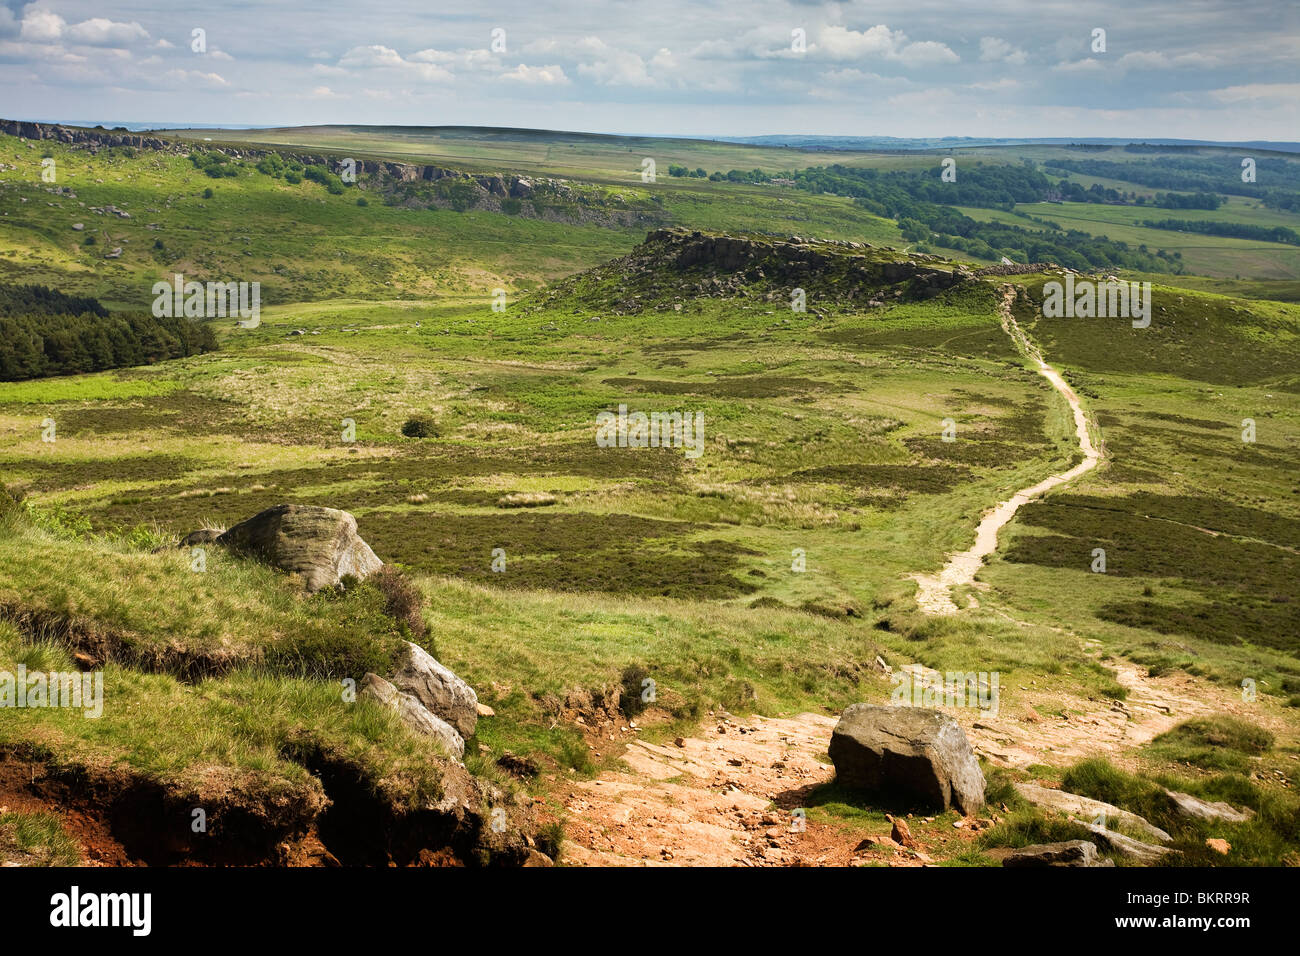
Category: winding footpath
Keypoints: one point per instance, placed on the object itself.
(934, 591)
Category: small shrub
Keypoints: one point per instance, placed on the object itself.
(207, 193)
(420, 427)
(403, 601)
(630, 702)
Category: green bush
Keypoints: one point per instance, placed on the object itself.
(420, 427)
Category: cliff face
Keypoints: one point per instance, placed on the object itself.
(484, 190)
(77, 136)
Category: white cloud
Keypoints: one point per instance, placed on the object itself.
(195, 78)
(880, 42)
(377, 57)
(611, 66)
(926, 53)
(997, 50)
(1080, 66)
(1153, 60)
(537, 75)
(101, 32)
(1283, 93)
(42, 26)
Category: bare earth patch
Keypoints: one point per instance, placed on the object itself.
(726, 796)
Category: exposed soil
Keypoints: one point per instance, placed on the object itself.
(726, 796)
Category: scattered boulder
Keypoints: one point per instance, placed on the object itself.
(1127, 846)
(1075, 805)
(914, 754)
(900, 832)
(1195, 808)
(413, 713)
(321, 544)
(1067, 853)
(437, 688)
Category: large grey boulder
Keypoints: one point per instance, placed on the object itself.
(320, 544)
(437, 688)
(412, 713)
(1066, 853)
(913, 754)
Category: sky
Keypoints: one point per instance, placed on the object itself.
(1190, 69)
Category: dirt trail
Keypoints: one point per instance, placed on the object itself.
(727, 796)
(934, 591)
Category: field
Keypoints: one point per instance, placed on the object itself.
(770, 575)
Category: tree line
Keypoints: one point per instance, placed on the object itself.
(44, 332)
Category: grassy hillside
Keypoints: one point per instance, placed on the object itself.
(767, 575)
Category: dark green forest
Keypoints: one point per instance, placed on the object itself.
(44, 332)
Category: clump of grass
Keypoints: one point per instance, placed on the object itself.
(630, 702)
(1028, 826)
(35, 839)
(1214, 743)
(526, 499)
(1098, 779)
(402, 599)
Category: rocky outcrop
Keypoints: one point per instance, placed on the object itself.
(413, 713)
(488, 189)
(320, 544)
(675, 267)
(797, 259)
(78, 136)
(1066, 853)
(1089, 809)
(1135, 850)
(437, 688)
(1194, 808)
(907, 755)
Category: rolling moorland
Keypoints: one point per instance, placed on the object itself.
(763, 585)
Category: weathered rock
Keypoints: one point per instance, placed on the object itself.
(900, 832)
(321, 544)
(917, 755)
(1076, 805)
(413, 713)
(1067, 853)
(202, 536)
(437, 688)
(1129, 847)
(1195, 808)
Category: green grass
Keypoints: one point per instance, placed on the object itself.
(35, 839)
(822, 435)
